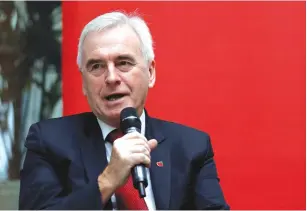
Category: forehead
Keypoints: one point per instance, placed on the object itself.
(111, 42)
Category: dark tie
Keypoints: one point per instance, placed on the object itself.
(127, 197)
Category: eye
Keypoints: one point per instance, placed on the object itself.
(124, 65)
(96, 66)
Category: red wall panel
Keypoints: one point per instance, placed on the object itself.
(233, 69)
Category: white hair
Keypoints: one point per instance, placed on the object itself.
(113, 19)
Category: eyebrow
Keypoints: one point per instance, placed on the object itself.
(125, 56)
(90, 62)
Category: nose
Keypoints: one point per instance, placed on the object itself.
(112, 76)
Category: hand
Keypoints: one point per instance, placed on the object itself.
(128, 151)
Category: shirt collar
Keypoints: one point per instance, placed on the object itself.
(106, 129)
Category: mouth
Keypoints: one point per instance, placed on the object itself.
(114, 97)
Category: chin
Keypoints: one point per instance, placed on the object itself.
(113, 113)
(112, 119)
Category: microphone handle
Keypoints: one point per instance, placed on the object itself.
(138, 172)
(139, 179)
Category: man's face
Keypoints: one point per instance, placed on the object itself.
(114, 73)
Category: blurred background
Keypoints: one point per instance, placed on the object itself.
(30, 81)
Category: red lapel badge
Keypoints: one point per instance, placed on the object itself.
(160, 163)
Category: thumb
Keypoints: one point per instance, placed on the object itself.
(152, 143)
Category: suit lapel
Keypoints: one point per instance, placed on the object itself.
(92, 147)
(160, 166)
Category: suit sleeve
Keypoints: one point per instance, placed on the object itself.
(208, 192)
(40, 186)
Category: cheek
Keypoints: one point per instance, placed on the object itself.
(94, 85)
(140, 85)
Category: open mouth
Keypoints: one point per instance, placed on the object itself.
(114, 97)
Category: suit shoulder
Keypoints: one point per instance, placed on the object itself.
(54, 132)
(61, 128)
(180, 129)
(185, 139)
(67, 121)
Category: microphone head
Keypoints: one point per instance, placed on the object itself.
(129, 120)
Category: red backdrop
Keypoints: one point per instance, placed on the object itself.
(233, 69)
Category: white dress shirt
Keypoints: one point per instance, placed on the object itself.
(106, 129)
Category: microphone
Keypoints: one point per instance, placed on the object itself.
(129, 122)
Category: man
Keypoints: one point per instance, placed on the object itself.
(71, 162)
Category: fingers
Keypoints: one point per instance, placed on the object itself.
(138, 139)
(133, 148)
(134, 135)
(141, 153)
(141, 149)
(130, 150)
(134, 138)
(141, 158)
(153, 143)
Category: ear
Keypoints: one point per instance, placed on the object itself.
(152, 74)
(83, 85)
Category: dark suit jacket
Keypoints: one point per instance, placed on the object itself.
(66, 155)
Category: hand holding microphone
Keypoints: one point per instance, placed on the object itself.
(130, 153)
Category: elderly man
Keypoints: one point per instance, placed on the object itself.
(71, 162)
